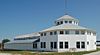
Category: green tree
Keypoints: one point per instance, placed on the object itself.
(3, 42)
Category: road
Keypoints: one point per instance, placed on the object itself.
(8, 54)
(94, 53)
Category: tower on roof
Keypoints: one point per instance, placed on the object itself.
(66, 19)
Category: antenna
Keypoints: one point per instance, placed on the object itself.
(65, 6)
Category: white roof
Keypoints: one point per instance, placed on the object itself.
(66, 27)
(67, 17)
(22, 41)
(28, 35)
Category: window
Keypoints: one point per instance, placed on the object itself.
(74, 22)
(70, 21)
(78, 44)
(89, 33)
(82, 44)
(43, 44)
(66, 44)
(44, 34)
(57, 23)
(51, 45)
(76, 32)
(82, 32)
(61, 22)
(41, 34)
(51, 33)
(61, 45)
(94, 34)
(66, 21)
(66, 32)
(34, 45)
(87, 43)
(55, 32)
(55, 45)
(61, 32)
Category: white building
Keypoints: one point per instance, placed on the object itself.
(65, 35)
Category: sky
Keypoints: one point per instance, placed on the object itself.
(18, 17)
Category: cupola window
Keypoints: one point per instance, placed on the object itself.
(66, 21)
(57, 23)
(70, 21)
(83, 32)
(61, 22)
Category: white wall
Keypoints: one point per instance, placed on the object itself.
(48, 38)
(72, 39)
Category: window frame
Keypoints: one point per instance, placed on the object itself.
(77, 32)
(70, 22)
(61, 45)
(66, 45)
(78, 45)
(61, 32)
(82, 44)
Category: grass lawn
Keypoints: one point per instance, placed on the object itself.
(52, 53)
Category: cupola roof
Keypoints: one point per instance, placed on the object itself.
(67, 17)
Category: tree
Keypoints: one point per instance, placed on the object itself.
(3, 42)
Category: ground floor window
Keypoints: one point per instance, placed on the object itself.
(80, 44)
(43, 44)
(66, 44)
(53, 45)
(60, 44)
(34, 45)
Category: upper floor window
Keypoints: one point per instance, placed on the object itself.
(44, 34)
(76, 32)
(61, 32)
(70, 21)
(66, 32)
(41, 34)
(51, 33)
(55, 32)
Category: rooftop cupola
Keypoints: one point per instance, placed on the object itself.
(66, 19)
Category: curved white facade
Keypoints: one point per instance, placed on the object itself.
(66, 35)
(69, 36)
